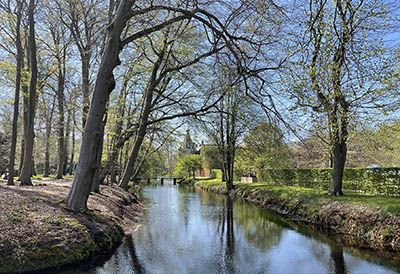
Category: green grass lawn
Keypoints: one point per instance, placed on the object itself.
(386, 203)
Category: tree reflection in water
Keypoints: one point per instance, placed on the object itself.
(186, 232)
(230, 237)
(136, 263)
(337, 257)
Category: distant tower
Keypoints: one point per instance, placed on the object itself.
(188, 146)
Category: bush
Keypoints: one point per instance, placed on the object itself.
(188, 165)
(216, 174)
(384, 181)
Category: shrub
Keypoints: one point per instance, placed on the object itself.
(188, 165)
(384, 181)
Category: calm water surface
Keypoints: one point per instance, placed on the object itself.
(192, 231)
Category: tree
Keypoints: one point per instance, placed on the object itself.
(105, 81)
(262, 148)
(188, 165)
(342, 57)
(48, 115)
(57, 43)
(229, 122)
(86, 21)
(19, 56)
(164, 86)
(29, 134)
(211, 156)
(373, 145)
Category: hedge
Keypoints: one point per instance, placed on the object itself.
(383, 181)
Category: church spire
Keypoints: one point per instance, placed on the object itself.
(188, 143)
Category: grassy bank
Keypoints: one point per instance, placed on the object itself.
(359, 220)
(38, 232)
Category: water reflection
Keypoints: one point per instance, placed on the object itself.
(337, 258)
(229, 265)
(185, 231)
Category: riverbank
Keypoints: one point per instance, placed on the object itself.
(38, 232)
(363, 221)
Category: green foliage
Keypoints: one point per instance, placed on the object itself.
(153, 164)
(384, 181)
(216, 174)
(263, 148)
(376, 146)
(187, 165)
(211, 157)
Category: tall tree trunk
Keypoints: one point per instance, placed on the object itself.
(339, 159)
(93, 133)
(49, 121)
(110, 166)
(85, 86)
(229, 180)
(130, 165)
(46, 171)
(25, 98)
(229, 172)
(27, 166)
(33, 173)
(20, 58)
(66, 140)
(129, 168)
(60, 104)
(116, 142)
(21, 158)
(71, 161)
(339, 124)
(96, 178)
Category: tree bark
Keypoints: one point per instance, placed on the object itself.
(27, 166)
(60, 104)
(71, 161)
(339, 159)
(66, 140)
(46, 171)
(85, 86)
(93, 133)
(129, 168)
(19, 57)
(25, 101)
(96, 178)
(21, 158)
(33, 173)
(49, 121)
(116, 142)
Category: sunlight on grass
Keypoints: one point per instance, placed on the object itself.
(386, 203)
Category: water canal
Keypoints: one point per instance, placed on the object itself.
(193, 231)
